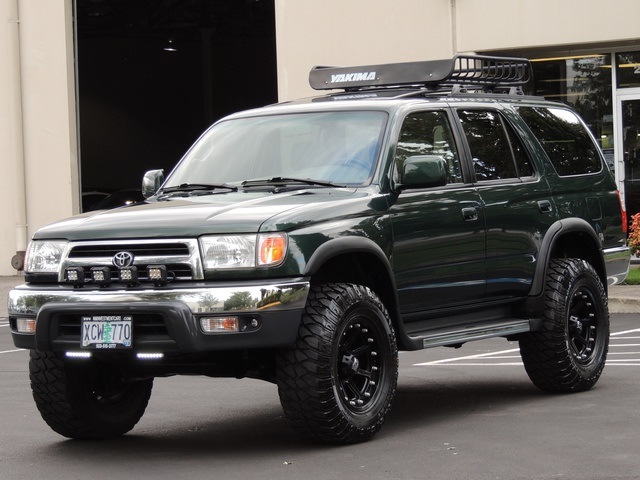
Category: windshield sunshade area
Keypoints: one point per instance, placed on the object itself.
(333, 147)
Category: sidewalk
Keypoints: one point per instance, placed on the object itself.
(622, 298)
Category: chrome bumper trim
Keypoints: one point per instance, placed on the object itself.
(29, 299)
(616, 261)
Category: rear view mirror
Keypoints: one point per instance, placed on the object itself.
(151, 182)
(423, 171)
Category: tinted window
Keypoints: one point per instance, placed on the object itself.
(495, 149)
(428, 133)
(564, 139)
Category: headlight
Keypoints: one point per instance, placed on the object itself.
(243, 251)
(43, 256)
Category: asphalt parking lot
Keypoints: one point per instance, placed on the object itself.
(469, 413)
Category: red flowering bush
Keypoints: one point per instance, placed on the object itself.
(634, 234)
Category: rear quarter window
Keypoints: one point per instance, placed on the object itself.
(564, 138)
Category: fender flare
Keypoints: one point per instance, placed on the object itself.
(342, 245)
(352, 244)
(556, 230)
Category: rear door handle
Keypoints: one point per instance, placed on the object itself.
(469, 214)
(544, 206)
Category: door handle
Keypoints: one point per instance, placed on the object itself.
(544, 206)
(469, 214)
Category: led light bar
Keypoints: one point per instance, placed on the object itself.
(150, 356)
(78, 354)
(101, 276)
(74, 275)
(157, 274)
(129, 276)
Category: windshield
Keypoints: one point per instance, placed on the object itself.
(333, 147)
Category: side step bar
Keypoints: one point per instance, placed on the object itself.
(462, 334)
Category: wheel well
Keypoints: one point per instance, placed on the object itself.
(580, 245)
(361, 268)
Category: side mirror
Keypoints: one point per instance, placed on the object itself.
(151, 182)
(423, 171)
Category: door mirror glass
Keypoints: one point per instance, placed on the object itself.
(151, 182)
(423, 171)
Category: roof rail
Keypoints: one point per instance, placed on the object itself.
(460, 70)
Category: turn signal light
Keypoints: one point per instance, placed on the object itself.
(220, 324)
(26, 325)
(272, 249)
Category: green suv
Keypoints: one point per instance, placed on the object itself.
(425, 204)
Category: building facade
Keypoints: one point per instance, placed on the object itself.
(584, 52)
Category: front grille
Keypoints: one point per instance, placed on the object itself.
(153, 250)
(181, 257)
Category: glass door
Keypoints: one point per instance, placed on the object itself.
(628, 157)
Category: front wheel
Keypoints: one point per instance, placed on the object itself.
(336, 384)
(83, 401)
(568, 354)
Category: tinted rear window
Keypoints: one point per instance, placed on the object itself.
(564, 138)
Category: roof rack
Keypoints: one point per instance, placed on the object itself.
(460, 70)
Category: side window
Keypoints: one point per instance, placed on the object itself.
(428, 133)
(495, 148)
(564, 139)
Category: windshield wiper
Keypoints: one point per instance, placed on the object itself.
(282, 181)
(192, 187)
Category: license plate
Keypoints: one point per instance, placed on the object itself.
(107, 331)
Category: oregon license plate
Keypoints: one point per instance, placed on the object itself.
(107, 331)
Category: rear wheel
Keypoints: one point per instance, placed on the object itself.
(338, 381)
(568, 354)
(78, 401)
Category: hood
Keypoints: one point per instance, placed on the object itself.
(230, 212)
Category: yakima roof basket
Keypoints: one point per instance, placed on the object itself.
(460, 70)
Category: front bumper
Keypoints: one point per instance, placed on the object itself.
(165, 319)
(616, 261)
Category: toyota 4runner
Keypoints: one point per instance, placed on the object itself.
(425, 204)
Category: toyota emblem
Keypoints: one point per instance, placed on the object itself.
(123, 259)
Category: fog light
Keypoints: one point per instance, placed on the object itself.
(150, 356)
(77, 354)
(26, 325)
(74, 275)
(101, 276)
(129, 275)
(157, 274)
(219, 324)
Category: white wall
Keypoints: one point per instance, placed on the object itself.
(37, 120)
(356, 32)
(500, 24)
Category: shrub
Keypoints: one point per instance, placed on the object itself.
(634, 234)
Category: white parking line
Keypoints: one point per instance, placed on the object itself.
(13, 351)
(501, 355)
(469, 357)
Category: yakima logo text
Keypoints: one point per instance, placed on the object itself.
(353, 77)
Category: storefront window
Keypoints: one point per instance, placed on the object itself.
(584, 83)
(628, 69)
